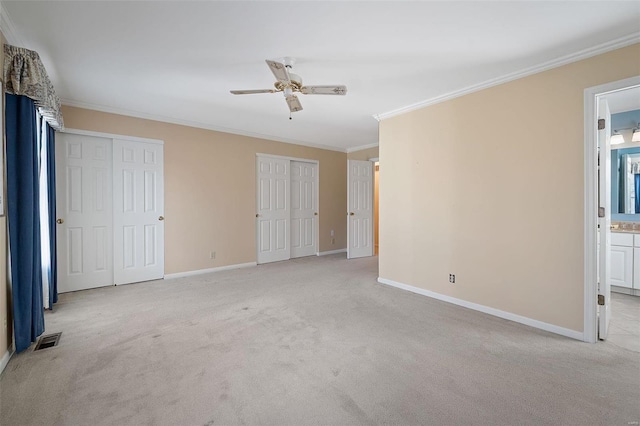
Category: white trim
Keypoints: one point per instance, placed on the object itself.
(317, 230)
(487, 310)
(5, 358)
(209, 270)
(591, 201)
(284, 157)
(558, 62)
(326, 253)
(196, 124)
(374, 159)
(361, 147)
(8, 29)
(112, 136)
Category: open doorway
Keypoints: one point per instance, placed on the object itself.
(612, 226)
(376, 192)
(362, 207)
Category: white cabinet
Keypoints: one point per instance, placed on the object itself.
(636, 269)
(622, 271)
(625, 260)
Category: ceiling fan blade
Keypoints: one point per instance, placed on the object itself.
(279, 71)
(294, 103)
(324, 90)
(251, 92)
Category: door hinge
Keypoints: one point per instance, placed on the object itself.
(601, 299)
(600, 211)
(601, 124)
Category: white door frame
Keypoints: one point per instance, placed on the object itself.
(591, 200)
(303, 160)
(111, 137)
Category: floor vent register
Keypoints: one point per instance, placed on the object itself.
(48, 341)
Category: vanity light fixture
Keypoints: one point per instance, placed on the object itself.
(617, 138)
(636, 134)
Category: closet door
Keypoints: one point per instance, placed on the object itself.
(138, 211)
(84, 207)
(304, 209)
(273, 210)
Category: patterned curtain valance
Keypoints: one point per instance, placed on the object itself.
(24, 74)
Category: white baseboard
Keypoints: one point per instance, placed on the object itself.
(5, 358)
(488, 310)
(206, 271)
(325, 253)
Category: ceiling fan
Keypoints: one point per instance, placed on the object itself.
(290, 83)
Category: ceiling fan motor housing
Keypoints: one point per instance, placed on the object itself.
(294, 84)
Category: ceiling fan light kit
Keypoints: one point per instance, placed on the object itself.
(289, 83)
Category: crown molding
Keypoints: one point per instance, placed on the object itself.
(8, 29)
(361, 147)
(196, 124)
(558, 62)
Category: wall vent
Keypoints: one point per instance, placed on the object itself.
(48, 341)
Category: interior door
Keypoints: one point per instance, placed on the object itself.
(273, 217)
(138, 220)
(360, 205)
(84, 207)
(604, 219)
(304, 209)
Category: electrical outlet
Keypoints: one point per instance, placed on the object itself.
(212, 255)
(332, 233)
(452, 278)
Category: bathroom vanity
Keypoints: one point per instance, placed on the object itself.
(625, 261)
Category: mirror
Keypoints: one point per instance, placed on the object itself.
(625, 156)
(625, 181)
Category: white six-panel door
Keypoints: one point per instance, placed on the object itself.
(138, 211)
(273, 221)
(360, 209)
(304, 209)
(84, 212)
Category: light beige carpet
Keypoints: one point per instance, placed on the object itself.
(309, 341)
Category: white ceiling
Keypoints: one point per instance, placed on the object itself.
(176, 61)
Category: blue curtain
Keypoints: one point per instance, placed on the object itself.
(637, 191)
(23, 208)
(51, 189)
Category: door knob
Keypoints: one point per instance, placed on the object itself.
(315, 214)
(60, 221)
(351, 214)
(257, 215)
(161, 218)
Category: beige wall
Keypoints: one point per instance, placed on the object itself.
(490, 186)
(210, 188)
(363, 154)
(6, 338)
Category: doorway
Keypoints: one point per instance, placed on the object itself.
(360, 205)
(376, 209)
(606, 226)
(110, 208)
